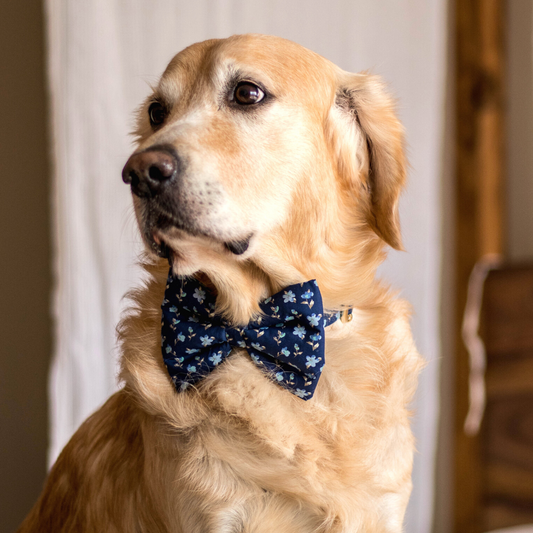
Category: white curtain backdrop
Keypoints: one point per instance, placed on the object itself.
(104, 54)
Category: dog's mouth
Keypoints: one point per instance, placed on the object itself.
(240, 246)
(159, 247)
(162, 249)
(156, 232)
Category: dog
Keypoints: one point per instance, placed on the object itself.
(259, 166)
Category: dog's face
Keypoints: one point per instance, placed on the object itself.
(256, 152)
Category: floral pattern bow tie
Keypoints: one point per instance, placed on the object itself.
(286, 342)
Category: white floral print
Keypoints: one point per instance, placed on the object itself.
(199, 294)
(206, 340)
(216, 358)
(299, 331)
(289, 297)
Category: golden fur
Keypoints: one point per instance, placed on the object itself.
(315, 176)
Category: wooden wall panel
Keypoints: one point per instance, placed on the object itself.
(479, 26)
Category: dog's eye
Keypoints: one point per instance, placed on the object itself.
(157, 113)
(247, 93)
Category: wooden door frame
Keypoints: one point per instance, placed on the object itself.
(479, 216)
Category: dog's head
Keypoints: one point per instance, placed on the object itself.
(262, 164)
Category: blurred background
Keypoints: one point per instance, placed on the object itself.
(71, 76)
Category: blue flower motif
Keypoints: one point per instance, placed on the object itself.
(241, 344)
(279, 376)
(307, 295)
(289, 297)
(257, 346)
(301, 393)
(315, 337)
(314, 320)
(285, 352)
(216, 358)
(287, 318)
(179, 360)
(175, 321)
(168, 349)
(255, 358)
(191, 368)
(299, 331)
(206, 341)
(193, 319)
(180, 337)
(199, 294)
(173, 309)
(311, 360)
(191, 350)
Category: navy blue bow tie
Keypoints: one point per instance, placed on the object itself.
(287, 341)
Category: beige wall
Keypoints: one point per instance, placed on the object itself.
(25, 259)
(520, 129)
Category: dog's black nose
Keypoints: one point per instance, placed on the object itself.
(149, 171)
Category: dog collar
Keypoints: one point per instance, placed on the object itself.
(286, 342)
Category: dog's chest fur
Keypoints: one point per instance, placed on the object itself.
(241, 448)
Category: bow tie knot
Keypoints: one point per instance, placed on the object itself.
(286, 341)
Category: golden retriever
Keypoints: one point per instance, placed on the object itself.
(284, 169)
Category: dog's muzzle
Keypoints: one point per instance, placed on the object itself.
(151, 171)
(154, 176)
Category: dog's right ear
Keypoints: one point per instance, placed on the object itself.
(368, 142)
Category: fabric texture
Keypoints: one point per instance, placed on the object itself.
(286, 341)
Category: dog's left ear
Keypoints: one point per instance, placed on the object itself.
(368, 141)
